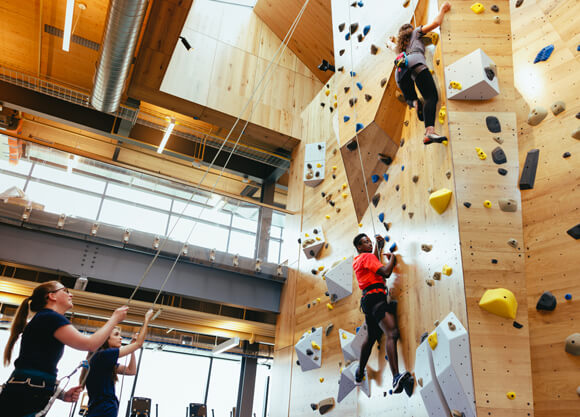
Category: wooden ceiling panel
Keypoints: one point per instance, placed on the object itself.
(312, 40)
(19, 34)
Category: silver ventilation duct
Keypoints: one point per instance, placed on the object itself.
(121, 33)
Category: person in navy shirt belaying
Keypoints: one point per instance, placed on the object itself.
(33, 382)
(102, 374)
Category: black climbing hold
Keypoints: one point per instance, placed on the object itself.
(352, 145)
(502, 171)
(518, 325)
(314, 406)
(490, 74)
(383, 82)
(566, 155)
(185, 43)
(424, 336)
(353, 4)
(467, 204)
(309, 352)
(333, 297)
(327, 86)
(529, 172)
(374, 49)
(574, 232)
(314, 271)
(326, 246)
(315, 231)
(331, 109)
(313, 329)
(341, 69)
(578, 115)
(299, 241)
(376, 199)
(494, 261)
(352, 101)
(384, 393)
(546, 302)
(322, 104)
(326, 293)
(404, 207)
(397, 187)
(332, 203)
(309, 166)
(341, 27)
(493, 124)
(360, 37)
(494, 8)
(346, 89)
(323, 194)
(308, 305)
(402, 142)
(298, 363)
(311, 253)
(319, 147)
(519, 3)
(333, 176)
(317, 174)
(387, 227)
(353, 28)
(498, 156)
(368, 97)
(385, 159)
(341, 52)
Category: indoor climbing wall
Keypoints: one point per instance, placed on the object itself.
(551, 207)
(428, 281)
(484, 154)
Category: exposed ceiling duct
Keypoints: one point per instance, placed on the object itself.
(121, 33)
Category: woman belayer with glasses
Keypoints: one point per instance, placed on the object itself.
(33, 382)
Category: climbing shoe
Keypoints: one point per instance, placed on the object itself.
(433, 138)
(420, 110)
(409, 385)
(399, 382)
(358, 376)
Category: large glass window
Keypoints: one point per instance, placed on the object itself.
(262, 374)
(140, 197)
(223, 387)
(242, 243)
(61, 200)
(8, 181)
(69, 179)
(133, 217)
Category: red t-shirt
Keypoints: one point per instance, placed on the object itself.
(365, 268)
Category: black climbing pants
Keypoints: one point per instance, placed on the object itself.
(426, 85)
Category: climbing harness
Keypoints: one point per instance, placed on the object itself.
(401, 61)
(60, 386)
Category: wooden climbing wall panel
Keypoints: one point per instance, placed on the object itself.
(551, 207)
(500, 352)
(231, 49)
(420, 304)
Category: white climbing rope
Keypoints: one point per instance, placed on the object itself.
(355, 122)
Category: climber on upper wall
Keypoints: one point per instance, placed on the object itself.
(380, 315)
(412, 70)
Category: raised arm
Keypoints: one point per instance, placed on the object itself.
(386, 270)
(75, 339)
(445, 7)
(131, 369)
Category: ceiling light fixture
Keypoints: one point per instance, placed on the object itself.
(70, 8)
(227, 345)
(166, 136)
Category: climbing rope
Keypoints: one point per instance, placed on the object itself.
(352, 72)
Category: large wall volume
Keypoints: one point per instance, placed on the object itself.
(552, 206)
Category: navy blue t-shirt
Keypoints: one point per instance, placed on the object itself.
(39, 349)
(100, 383)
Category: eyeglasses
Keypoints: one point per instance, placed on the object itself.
(65, 289)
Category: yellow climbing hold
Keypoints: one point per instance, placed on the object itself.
(321, 268)
(480, 153)
(432, 339)
(511, 395)
(334, 167)
(328, 216)
(344, 186)
(344, 336)
(315, 345)
(306, 235)
(487, 204)
(319, 165)
(456, 85)
(321, 379)
(360, 225)
(442, 113)
(344, 195)
(318, 299)
(335, 97)
(335, 104)
(500, 302)
(439, 199)
(447, 270)
(330, 306)
(317, 238)
(327, 92)
(477, 8)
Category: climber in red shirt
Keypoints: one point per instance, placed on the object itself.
(380, 315)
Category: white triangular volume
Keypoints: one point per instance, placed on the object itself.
(477, 75)
(339, 280)
(314, 161)
(347, 382)
(308, 356)
(352, 344)
(452, 362)
(312, 241)
(431, 393)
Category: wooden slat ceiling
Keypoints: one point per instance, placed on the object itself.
(312, 40)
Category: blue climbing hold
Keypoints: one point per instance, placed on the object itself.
(386, 358)
(387, 238)
(393, 247)
(352, 73)
(357, 329)
(346, 118)
(360, 4)
(366, 30)
(402, 167)
(359, 126)
(386, 177)
(381, 217)
(390, 392)
(568, 297)
(359, 85)
(347, 36)
(578, 48)
(374, 179)
(544, 54)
